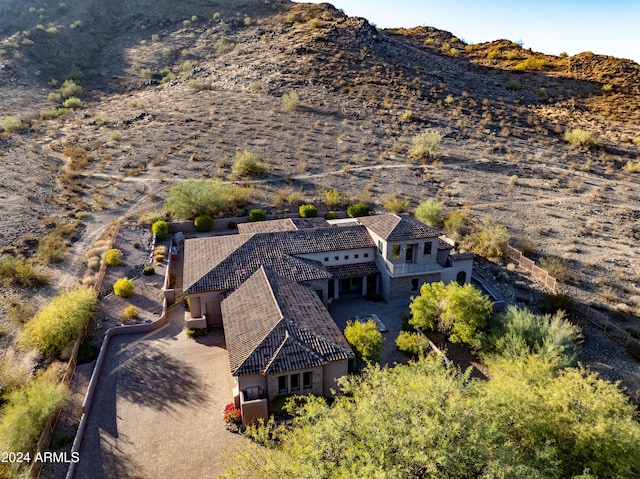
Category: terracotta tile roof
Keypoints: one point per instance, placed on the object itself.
(273, 325)
(352, 270)
(274, 250)
(397, 227)
(201, 255)
(266, 226)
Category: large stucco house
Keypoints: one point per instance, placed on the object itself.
(269, 285)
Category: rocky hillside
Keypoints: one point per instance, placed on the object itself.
(167, 92)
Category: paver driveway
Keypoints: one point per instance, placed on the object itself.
(157, 411)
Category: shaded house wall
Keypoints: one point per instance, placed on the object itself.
(206, 303)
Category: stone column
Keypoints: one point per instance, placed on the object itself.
(364, 285)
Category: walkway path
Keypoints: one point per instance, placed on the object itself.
(157, 410)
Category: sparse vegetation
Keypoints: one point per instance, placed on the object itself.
(257, 215)
(246, 163)
(557, 267)
(11, 124)
(130, 312)
(579, 137)
(333, 198)
(73, 103)
(488, 239)
(22, 272)
(425, 145)
(632, 166)
(124, 288)
(395, 205)
(290, 101)
(513, 85)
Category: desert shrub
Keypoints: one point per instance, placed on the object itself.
(115, 136)
(11, 124)
(113, 257)
(531, 63)
(196, 332)
(517, 333)
(333, 198)
(70, 89)
(18, 311)
(542, 93)
(160, 229)
(232, 225)
(456, 226)
(607, 87)
(636, 140)
(246, 163)
(50, 113)
(632, 167)
(130, 312)
(148, 270)
(136, 245)
(356, 210)
(551, 303)
(192, 198)
(308, 211)
(195, 85)
(425, 145)
(22, 272)
(557, 267)
(563, 55)
(488, 239)
(408, 116)
(123, 288)
(365, 339)
(247, 21)
(216, 16)
(513, 180)
(395, 205)
(579, 137)
(493, 54)
(449, 99)
(52, 248)
(26, 412)
(203, 223)
(430, 212)
(73, 102)
(330, 215)
(513, 85)
(223, 45)
(412, 343)
(160, 253)
(290, 101)
(58, 323)
(54, 97)
(257, 215)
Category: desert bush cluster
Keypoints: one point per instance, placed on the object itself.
(192, 198)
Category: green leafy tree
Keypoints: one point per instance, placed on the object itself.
(518, 332)
(365, 339)
(192, 198)
(412, 343)
(431, 421)
(59, 322)
(462, 312)
(430, 212)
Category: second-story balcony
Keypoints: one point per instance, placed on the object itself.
(402, 269)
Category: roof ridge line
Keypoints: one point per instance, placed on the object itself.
(275, 353)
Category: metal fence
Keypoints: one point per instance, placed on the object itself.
(596, 318)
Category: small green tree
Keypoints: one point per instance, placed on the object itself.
(124, 288)
(357, 209)
(59, 322)
(113, 257)
(160, 229)
(308, 211)
(257, 215)
(461, 312)
(425, 145)
(365, 339)
(430, 212)
(203, 223)
(456, 226)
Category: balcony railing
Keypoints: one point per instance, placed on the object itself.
(398, 269)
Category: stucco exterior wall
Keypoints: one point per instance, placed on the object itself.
(206, 303)
(252, 380)
(332, 372)
(450, 274)
(347, 256)
(317, 384)
(401, 288)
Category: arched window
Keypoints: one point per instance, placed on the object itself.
(461, 278)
